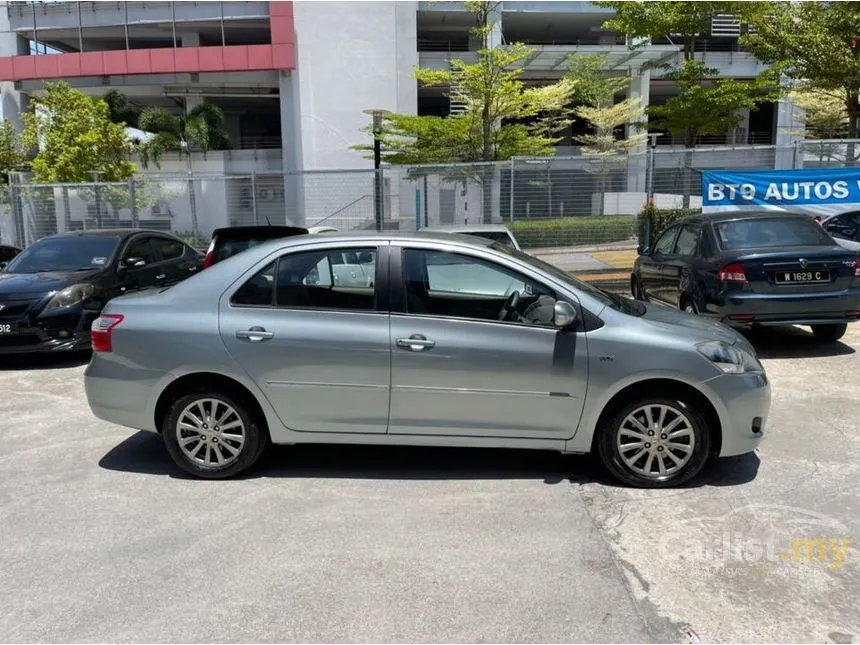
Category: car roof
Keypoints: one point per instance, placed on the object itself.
(476, 228)
(729, 216)
(107, 232)
(258, 231)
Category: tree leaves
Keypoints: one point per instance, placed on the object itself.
(75, 138)
(202, 127)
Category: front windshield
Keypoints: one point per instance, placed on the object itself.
(71, 253)
(619, 303)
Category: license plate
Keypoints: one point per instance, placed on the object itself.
(8, 329)
(803, 277)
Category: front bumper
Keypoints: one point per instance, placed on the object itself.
(68, 331)
(832, 307)
(743, 402)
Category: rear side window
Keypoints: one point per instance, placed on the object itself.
(170, 249)
(688, 240)
(329, 279)
(770, 232)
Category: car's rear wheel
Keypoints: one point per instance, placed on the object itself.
(212, 436)
(829, 333)
(655, 442)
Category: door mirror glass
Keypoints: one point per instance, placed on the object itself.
(564, 315)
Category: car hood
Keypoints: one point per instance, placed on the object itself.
(35, 284)
(697, 328)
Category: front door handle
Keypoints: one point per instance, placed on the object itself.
(416, 343)
(254, 334)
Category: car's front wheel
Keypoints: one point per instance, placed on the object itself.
(212, 436)
(829, 333)
(655, 442)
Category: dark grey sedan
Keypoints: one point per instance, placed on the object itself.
(753, 269)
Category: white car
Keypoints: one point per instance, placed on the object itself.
(495, 232)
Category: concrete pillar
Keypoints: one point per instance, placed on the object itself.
(291, 148)
(640, 87)
(788, 129)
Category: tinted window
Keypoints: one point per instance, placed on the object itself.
(259, 290)
(770, 232)
(844, 226)
(7, 253)
(169, 249)
(318, 279)
(666, 242)
(687, 240)
(450, 284)
(65, 254)
(141, 249)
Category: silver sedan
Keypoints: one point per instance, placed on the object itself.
(421, 339)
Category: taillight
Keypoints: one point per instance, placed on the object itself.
(857, 268)
(210, 256)
(817, 219)
(733, 273)
(101, 329)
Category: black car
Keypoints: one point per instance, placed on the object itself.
(7, 254)
(845, 226)
(53, 290)
(229, 241)
(753, 269)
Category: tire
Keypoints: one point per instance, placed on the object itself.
(636, 289)
(630, 464)
(202, 460)
(689, 305)
(829, 333)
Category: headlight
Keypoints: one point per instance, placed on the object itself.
(728, 358)
(70, 296)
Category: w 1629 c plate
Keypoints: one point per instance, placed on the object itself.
(802, 277)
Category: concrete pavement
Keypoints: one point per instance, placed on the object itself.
(103, 539)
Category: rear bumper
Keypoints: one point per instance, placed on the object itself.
(118, 394)
(832, 307)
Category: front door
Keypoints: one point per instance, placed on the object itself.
(678, 267)
(462, 364)
(309, 330)
(653, 268)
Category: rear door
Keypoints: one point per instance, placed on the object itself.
(315, 340)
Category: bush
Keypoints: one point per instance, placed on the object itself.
(660, 219)
(574, 231)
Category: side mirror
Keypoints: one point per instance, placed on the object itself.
(3, 265)
(564, 315)
(644, 250)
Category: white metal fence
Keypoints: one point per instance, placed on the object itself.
(552, 201)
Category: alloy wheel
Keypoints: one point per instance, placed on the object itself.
(210, 433)
(655, 441)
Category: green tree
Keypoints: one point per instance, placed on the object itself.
(200, 128)
(74, 138)
(75, 141)
(12, 156)
(824, 114)
(816, 44)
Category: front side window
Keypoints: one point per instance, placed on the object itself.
(141, 249)
(666, 242)
(461, 286)
(329, 279)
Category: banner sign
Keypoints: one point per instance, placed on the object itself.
(818, 191)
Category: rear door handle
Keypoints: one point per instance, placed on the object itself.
(416, 343)
(254, 334)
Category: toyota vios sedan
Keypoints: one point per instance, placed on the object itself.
(53, 290)
(456, 342)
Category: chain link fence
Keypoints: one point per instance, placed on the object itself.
(579, 200)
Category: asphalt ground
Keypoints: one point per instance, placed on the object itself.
(102, 538)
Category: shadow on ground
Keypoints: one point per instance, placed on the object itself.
(793, 342)
(11, 362)
(144, 453)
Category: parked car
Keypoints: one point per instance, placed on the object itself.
(495, 232)
(7, 254)
(457, 343)
(227, 242)
(753, 269)
(845, 229)
(53, 290)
